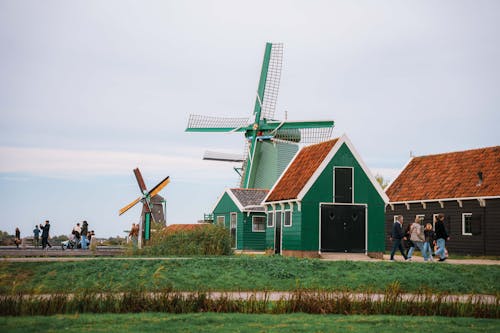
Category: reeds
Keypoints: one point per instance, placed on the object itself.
(393, 302)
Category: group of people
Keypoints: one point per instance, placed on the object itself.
(44, 230)
(80, 237)
(424, 238)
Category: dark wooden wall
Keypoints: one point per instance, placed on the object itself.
(485, 239)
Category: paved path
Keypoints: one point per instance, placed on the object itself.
(12, 254)
(274, 296)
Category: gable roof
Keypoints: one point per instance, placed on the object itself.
(308, 165)
(448, 176)
(246, 199)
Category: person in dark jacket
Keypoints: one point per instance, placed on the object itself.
(397, 236)
(441, 237)
(18, 237)
(45, 235)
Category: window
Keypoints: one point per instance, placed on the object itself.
(395, 218)
(434, 219)
(270, 219)
(467, 224)
(259, 224)
(221, 220)
(420, 219)
(278, 217)
(287, 222)
(233, 220)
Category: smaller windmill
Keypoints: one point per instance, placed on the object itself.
(152, 202)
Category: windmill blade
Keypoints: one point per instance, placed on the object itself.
(140, 180)
(159, 187)
(272, 84)
(199, 123)
(301, 131)
(223, 157)
(130, 205)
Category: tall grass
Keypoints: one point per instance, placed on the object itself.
(207, 240)
(391, 302)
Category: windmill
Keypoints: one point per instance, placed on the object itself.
(152, 208)
(270, 144)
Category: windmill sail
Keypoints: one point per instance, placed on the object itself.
(272, 84)
(269, 143)
(199, 123)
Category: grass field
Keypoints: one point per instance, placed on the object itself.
(244, 273)
(210, 322)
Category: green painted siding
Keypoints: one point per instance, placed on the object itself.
(364, 193)
(245, 238)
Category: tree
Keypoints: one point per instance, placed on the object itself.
(382, 181)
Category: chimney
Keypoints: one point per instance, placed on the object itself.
(480, 176)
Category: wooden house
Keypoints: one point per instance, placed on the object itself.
(240, 211)
(326, 200)
(464, 186)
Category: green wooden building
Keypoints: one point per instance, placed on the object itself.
(241, 212)
(326, 200)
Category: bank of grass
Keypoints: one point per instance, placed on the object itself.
(299, 301)
(212, 322)
(237, 273)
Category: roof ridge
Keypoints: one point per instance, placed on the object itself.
(458, 152)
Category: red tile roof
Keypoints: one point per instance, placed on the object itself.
(449, 176)
(300, 171)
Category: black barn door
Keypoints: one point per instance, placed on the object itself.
(277, 233)
(343, 185)
(343, 228)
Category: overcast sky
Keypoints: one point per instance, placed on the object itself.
(89, 90)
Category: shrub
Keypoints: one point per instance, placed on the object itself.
(204, 239)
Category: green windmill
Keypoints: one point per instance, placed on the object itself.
(270, 144)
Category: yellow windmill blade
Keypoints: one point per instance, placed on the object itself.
(130, 205)
(159, 187)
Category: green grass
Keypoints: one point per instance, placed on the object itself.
(244, 273)
(210, 322)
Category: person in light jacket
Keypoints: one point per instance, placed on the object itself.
(417, 238)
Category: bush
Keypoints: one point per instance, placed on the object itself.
(205, 239)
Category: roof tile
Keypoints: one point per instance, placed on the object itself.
(449, 175)
(304, 165)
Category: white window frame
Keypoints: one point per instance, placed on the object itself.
(221, 220)
(289, 211)
(395, 218)
(463, 224)
(434, 217)
(270, 217)
(421, 218)
(263, 222)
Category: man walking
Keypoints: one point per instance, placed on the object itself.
(45, 235)
(397, 236)
(441, 237)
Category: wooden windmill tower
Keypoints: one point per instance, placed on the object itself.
(152, 203)
(270, 144)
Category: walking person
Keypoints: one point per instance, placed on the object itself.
(417, 239)
(36, 236)
(397, 236)
(45, 235)
(83, 232)
(18, 237)
(429, 242)
(441, 237)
